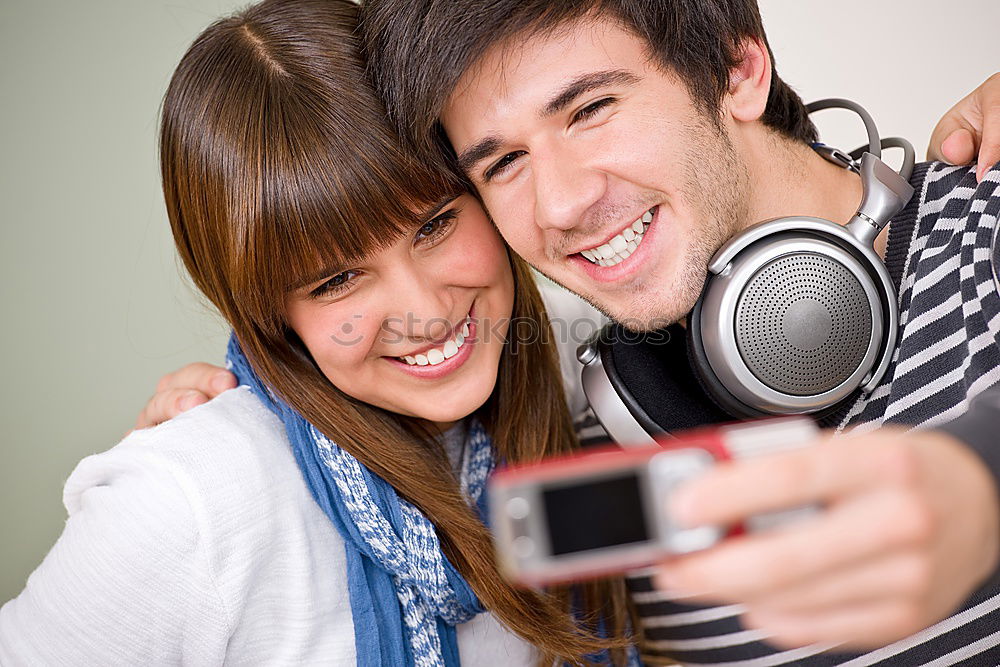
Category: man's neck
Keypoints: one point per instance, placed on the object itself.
(789, 178)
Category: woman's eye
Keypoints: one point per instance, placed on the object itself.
(433, 229)
(501, 165)
(336, 284)
(592, 109)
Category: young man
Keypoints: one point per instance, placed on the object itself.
(573, 121)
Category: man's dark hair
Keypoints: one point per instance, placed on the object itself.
(419, 49)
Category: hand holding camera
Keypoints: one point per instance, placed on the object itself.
(606, 511)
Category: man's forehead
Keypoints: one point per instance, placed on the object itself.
(528, 68)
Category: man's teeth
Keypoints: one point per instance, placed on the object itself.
(621, 246)
(439, 354)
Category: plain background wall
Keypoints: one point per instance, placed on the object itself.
(94, 306)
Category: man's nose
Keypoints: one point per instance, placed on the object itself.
(565, 188)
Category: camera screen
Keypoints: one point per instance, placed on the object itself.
(603, 513)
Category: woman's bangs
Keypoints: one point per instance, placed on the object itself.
(323, 181)
(319, 212)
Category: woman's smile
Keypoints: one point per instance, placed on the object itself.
(433, 362)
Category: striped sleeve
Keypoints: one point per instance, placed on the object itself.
(943, 258)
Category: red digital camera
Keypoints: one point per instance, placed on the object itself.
(605, 511)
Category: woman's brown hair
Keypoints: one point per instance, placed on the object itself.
(276, 156)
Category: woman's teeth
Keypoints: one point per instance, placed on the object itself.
(439, 354)
(621, 246)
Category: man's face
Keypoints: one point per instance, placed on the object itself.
(598, 169)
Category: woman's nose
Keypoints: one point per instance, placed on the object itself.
(422, 307)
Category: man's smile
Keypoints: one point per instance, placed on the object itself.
(623, 264)
(621, 246)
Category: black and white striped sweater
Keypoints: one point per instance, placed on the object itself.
(939, 255)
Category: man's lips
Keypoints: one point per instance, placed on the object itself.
(618, 268)
(641, 220)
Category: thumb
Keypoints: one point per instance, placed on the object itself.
(959, 147)
(954, 140)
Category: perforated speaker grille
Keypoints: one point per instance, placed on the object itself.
(803, 324)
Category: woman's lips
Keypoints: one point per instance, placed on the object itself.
(449, 365)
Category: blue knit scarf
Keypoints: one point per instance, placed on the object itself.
(406, 598)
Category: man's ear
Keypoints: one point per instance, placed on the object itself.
(749, 82)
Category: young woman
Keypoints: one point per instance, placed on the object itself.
(329, 510)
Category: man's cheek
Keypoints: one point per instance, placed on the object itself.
(532, 248)
(515, 235)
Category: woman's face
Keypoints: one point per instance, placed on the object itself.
(417, 328)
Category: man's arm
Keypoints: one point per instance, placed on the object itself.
(907, 528)
(182, 390)
(979, 429)
(980, 426)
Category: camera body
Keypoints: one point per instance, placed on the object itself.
(605, 511)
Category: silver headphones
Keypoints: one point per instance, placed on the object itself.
(797, 315)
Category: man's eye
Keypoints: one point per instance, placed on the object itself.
(592, 109)
(336, 284)
(501, 165)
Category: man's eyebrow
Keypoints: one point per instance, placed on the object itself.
(478, 151)
(578, 86)
(586, 83)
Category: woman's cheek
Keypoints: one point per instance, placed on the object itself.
(481, 255)
(341, 344)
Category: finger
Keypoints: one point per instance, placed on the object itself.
(166, 405)
(754, 567)
(989, 152)
(959, 147)
(858, 627)
(825, 471)
(900, 574)
(208, 379)
(955, 123)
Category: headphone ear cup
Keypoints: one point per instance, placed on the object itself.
(717, 390)
(703, 373)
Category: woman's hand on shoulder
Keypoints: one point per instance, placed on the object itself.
(970, 131)
(182, 390)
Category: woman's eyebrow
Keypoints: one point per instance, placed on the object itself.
(431, 211)
(343, 264)
(316, 276)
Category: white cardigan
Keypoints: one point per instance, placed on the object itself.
(198, 543)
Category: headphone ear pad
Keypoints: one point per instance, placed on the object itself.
(651, 375)
(704, 374)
